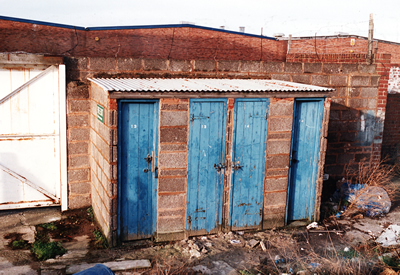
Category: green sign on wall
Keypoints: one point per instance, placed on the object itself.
(100, 113)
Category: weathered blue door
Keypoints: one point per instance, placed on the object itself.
(138, 123)
(249, 145)
(205, 157)
(304, 158)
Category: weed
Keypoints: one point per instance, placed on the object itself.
(90, 212)
(101, 241)
(348, 254)
(49, 226)
(20, 244)
(47, 250)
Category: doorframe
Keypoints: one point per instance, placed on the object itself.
(223, 155)
(119, 150)
(317, 155)
(233, 152)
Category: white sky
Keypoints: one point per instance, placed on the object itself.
(296, 17)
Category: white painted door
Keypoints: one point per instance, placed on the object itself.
(32, 137)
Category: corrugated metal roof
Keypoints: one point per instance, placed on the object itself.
(202, 85)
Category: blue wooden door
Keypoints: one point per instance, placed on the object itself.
(304, 158)
(138, 124)
(248, 171)
(205, 157)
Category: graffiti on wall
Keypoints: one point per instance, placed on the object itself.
(394, 80)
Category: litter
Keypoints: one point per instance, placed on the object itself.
(235, 241)
(391, 236)
(312, 225)
(372, 199)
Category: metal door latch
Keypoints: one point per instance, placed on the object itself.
(219, 167)
(148, 158)
(237, 167)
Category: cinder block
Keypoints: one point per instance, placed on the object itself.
(79, 134)
(173, 147)
(369, 92)
(78, 175)
(80, 187)
(285, 135)
(349, 68)
(280, 124)
(172, 172)
(273, 221)
(360, 80)
(205, 65)
(78, 120)
(283, 77)
(172, 184)
(79, 161)
(331, 68)
(358, 103)
(293, 68)
(76, 202)
(278, 162)
(372, 103)
(129, 64)
(78, 148)
(370, 69)
(272, 67)
(277, 172)
(312, 67)
(274, 198)
(172, 135)
(301, 78)
(77, 90)
(171, 201)
(180, 118)
(375, 81)
(155, 65)
(79, 106)
(250, 66)
(102, 63)
(278, 147)
(275, 184)
(320, 80)
(338, 80)
(173, 160)
(171, 213)
(228, 66)
(171, 224)
(180, 66)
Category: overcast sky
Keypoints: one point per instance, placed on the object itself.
(296, 17)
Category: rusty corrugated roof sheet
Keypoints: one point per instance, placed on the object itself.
(202, 85)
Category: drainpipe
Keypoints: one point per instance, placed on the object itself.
(370, 37)
(289, 43)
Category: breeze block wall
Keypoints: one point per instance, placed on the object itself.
(103, 161)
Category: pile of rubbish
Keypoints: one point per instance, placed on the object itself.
(372, 200)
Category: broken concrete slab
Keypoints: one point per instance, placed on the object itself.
(222, 268)
(8, 268)
(114, 266)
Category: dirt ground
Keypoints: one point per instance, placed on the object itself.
(345, 245)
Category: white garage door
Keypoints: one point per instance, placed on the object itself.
(32, 137)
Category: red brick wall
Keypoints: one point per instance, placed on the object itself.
(342, 45)
(184, 43)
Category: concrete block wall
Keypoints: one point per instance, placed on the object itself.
(279, 136)
(172, 166)
(103, 162)
(78, 147)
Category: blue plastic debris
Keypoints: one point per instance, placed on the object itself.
(372, 199)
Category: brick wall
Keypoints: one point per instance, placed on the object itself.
(184, 43)
(103, 161)
(342, 45)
